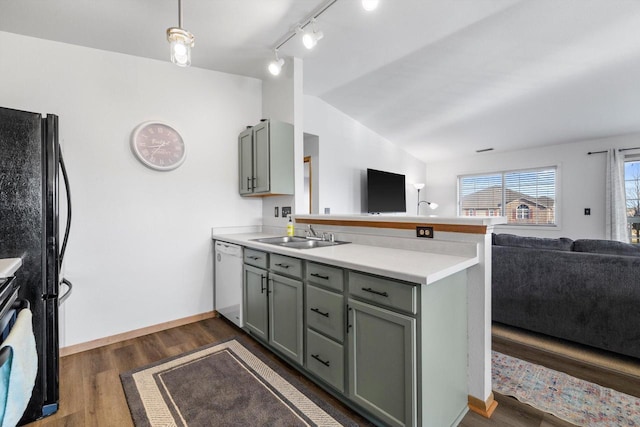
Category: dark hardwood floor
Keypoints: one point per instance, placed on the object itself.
(91, 393)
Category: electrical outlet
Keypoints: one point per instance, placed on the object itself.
(286, 211)
(275, 212)
(587, 211)
(424, 232)
(327, 211)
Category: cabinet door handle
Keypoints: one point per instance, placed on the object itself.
(373, 291)
(282, 265)
(320, 276)
(248, 183)
(324, 362)
(253, 182)
(316, 310)
(262, 286)
(270, 281)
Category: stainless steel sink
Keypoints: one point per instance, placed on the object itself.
(308, 244)
(296, 242)
(280, 240)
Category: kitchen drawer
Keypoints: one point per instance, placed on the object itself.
(325, 312)
(286, 265)
(255, 258)
(325, 358)
(387, 292)
(331, 277)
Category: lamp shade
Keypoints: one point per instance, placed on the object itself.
(418, 185)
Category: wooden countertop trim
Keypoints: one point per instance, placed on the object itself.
(453, 228)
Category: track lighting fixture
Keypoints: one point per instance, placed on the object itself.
(370, 5)
(276, 65)
(310, 37)
(181, 42)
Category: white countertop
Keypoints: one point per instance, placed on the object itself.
(412, 266)
(8, 266)
(457, 220)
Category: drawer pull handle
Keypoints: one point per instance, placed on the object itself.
(320, 276)
(373, 291)
(282, 265)
(317, 357)
(255, 258)
(316, 310)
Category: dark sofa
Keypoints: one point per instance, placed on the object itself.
(586, 291)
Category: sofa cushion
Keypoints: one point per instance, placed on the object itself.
(607, 247)
(561, 244)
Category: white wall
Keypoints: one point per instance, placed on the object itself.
(581, 183)
(280, 102)
(140, 251)
(346, 150)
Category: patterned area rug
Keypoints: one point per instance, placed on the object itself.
(223, 384)
(574, 400)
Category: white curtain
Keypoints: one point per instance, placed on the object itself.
(616, 210)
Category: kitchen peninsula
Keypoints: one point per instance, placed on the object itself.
(382, 322)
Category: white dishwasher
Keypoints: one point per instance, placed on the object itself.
(227, 296)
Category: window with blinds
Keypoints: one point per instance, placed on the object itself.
(525, 197)
(632, 189)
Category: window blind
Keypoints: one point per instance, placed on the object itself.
(525, 197)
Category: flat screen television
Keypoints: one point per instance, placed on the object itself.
(386, 192)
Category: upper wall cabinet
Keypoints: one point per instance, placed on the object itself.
(266, 159)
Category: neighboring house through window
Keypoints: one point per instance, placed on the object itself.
(526, 197)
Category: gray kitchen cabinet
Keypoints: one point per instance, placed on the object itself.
(245, 154)
(285, 316)
(325, 322)
(266, 161)
(382, 363)
(394, 351)
(255, 301)
(325, 358)
(273, 303)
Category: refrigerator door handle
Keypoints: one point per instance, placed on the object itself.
(66, 295)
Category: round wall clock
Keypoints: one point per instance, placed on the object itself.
(158, 146)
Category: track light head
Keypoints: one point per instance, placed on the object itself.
(310, 39)
(275, 66)
(370, 5)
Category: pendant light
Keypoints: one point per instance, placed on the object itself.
(181, 41)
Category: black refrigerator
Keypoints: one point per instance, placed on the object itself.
(29, 213)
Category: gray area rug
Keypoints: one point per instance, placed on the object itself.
(223, 384)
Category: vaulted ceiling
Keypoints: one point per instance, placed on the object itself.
(441, 78)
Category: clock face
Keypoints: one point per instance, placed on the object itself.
(158, 146)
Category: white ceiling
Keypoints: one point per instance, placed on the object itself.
(438, 77)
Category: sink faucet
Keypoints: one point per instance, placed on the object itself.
(311, 233)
